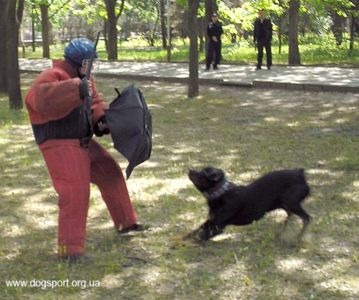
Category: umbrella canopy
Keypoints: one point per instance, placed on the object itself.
(130, 124)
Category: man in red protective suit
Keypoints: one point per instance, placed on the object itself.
(55, 103)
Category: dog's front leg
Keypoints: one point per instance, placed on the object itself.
(193, 233)
(206, 231)
(210, 230)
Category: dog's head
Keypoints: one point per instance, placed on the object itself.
(207, 178)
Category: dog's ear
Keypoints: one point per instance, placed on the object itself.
(213, 174)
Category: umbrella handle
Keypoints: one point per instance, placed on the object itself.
(88, 71)
(88, 97)
(118, 92)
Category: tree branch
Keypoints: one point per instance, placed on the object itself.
(63, 5)
(122, 6)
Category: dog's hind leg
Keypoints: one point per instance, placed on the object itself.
(285, 224)
(291, 203)
(301, 213)
(280, 231)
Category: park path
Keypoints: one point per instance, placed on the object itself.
(312, 78)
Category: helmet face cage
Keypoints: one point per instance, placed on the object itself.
(86, 64)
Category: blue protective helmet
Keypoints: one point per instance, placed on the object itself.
(78, 50)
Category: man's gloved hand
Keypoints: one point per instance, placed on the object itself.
(101, 127)
(84, 88)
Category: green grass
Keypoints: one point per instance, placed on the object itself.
(314, 50)
(246, 132)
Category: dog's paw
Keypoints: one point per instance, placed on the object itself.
(211, 232)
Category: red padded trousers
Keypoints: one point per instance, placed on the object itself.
(72, 168)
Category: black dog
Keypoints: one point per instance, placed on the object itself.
(230, 204)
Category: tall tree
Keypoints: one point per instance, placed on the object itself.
(113, 13)
(33, 17)
(14, 11)
(281, 18)
(193, 84)
(338, 26)
(293, 55)
(45, 28)
(3, 76)
(354, 23)
(163, 24)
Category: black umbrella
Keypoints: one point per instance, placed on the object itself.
(129, 121)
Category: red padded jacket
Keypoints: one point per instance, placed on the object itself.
(55, 93)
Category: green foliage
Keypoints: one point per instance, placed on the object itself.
(182, 3)
(145, 10)
(339, 6)
(88, 11)
(58, 9)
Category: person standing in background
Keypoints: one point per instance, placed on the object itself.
(214, 32)
(263, 39)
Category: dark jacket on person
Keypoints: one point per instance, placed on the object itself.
(214, 29)
(262, 31)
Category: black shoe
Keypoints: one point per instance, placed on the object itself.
(258, 68)
(215, 67)
(269, 68)
(134, 227)
(75, 259)
(206, 70)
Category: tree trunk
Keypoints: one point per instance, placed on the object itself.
(3, 76)
(281, 20)
(163, 24)
(201, 34)
(154, 30)
(337, 27)
(280, 36)
(305, 24)
(111, 30)
(21, 40)
(33, 33)
(352, 33)
(193, 85)
(169, 31)
(294, 55)
(45, 30)
(14, 14)
(105, 35)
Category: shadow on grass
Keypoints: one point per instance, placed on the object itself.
(247, 133)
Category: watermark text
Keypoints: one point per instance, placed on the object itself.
(52, 284)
